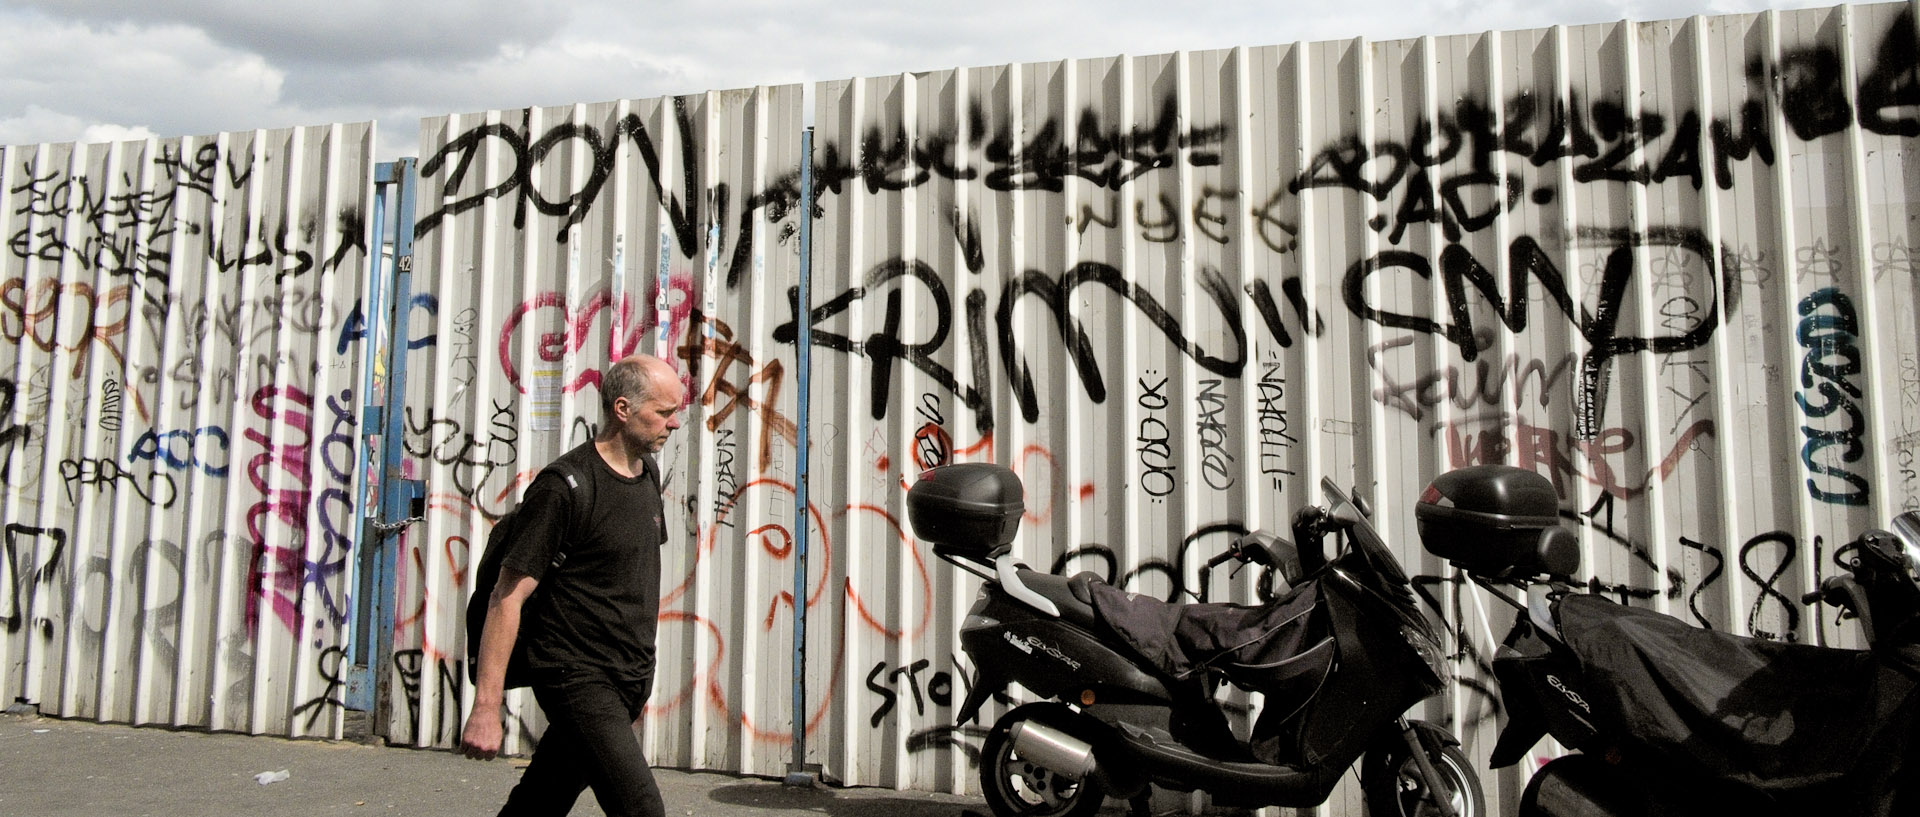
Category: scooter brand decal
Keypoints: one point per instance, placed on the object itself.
(1573, 696)
(1030, 643)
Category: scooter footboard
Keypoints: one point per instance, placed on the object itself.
(1580, 785)
(1172, 765)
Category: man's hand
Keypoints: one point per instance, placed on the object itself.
(483, 734)
(481, 738)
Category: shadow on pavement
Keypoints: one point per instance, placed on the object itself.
(843, 802)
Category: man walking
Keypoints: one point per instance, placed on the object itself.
(594, 553)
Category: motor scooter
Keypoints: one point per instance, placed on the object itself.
(1672, 719)
(1127, 682)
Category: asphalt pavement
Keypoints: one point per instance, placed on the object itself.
(52, 767)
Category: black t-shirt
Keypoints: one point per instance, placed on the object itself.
(599, 608)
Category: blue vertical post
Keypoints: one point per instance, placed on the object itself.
(401, 500)
(798, 773)
(389, 501)
(367, 545)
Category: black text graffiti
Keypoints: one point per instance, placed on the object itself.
(104, 474)
(1216, 457)
(1597, 320)
(1154, 443)
(1487, 382)
(472, 457)
(29, 566)
(1836, 426)
(1276, 430)
(883, 682)
(13, 436)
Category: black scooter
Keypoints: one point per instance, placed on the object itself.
(1128, 682)
(1672, 719)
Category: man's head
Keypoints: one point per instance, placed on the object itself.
(640, 396)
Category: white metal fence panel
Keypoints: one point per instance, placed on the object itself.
(1669, 265)
(181, 419)
(1666, 264)
(552, 241)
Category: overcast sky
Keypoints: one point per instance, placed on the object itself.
(101, 70)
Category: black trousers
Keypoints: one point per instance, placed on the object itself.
(589, 743)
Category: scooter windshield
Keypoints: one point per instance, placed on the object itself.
(1392, 586)
(1361, 535)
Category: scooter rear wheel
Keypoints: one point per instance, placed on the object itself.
(1017, 787)
(1394, 786)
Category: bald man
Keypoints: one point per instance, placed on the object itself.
(593, 552)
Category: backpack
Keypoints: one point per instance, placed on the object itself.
(499, 541)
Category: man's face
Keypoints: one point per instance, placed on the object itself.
(649, 422)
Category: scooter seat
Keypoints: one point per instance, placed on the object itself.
(1773, 716)
(1068, 593)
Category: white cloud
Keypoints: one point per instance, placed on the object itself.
(168, 79)
(336, 32)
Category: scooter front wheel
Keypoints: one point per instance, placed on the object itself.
(1394, 785)
(1015, 786)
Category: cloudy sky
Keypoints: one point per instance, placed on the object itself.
(101, 70)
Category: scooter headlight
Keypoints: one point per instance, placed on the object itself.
(1906, 528)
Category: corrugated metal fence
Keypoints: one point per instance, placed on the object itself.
(181, 426)
(1670, 265)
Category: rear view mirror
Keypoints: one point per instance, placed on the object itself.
(1558, 553)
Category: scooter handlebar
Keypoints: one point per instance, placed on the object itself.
(1844, 592)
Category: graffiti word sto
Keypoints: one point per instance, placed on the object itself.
(1030, 643)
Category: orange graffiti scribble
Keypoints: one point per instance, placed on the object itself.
(932, 446)
(1038, 516)
(33, 313)
(400, 622)
(785, 738)
(766, 540)
(984, 444)
(720, 346)
(458, 559)
(712, 670)
(920, 567)
(709, 540)
(773, 607)
(708, 681)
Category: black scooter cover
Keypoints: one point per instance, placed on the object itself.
(1788, 721)
(1178, 639)
(1290, 649)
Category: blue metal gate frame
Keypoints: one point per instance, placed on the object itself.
(394, 502)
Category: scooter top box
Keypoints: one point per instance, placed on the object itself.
(966, 506)
(1486, 518)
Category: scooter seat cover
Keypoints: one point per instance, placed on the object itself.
(1178, 639)
(1774, 717)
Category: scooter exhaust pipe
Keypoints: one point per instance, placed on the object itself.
(1053, 750)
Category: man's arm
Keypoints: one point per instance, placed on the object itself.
(483, 734)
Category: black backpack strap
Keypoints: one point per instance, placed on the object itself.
(580, 493)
